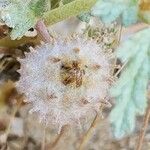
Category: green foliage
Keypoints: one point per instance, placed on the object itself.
(58, 3)
(55, 3)
(40, 6)
(85, 17)
(130, 90)
(110, 10)
(4, 3)
(66, 1)
(21, 15)
(73, 8)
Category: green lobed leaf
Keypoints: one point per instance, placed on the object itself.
(3, 4)
(40, 6)
(130, 90)
(22, 15)
(111, 10)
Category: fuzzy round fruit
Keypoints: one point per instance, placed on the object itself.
(65, 81)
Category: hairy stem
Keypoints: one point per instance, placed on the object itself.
(117, 44)
(71, 9)
(143, 131)
(43, 31)
(44, 137)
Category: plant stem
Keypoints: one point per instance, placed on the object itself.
(143, 131)
(43, 31)
(117, 44)
(54, 144)
(71, 9)
(89, 133)
(7, 42)
(43, 141)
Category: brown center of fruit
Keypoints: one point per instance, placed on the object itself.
(72, 73)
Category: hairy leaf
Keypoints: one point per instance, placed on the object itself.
(130, 90)
(67, 1)
(4, 3)
(22, 15)
(111, 10)
(39, 6)
(85, 17)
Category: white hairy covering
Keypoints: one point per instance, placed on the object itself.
(40, 78)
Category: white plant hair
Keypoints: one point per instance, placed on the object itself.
(65, 81)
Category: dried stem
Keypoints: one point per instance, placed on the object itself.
(89, 133)
(54, 144)
(143, 131)
(117, 73)
(120, 34)
(43, 141)
(117, 44)
(125, 31)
